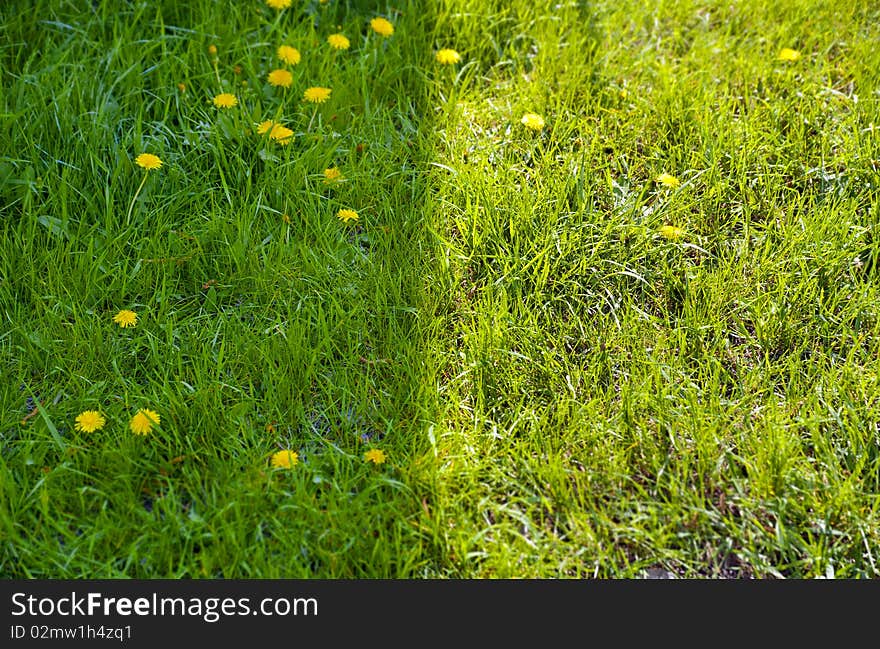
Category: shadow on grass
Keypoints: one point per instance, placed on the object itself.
(265, 323)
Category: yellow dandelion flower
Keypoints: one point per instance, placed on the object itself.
(289, 54)
(316, 95)
(148, 161)
(90, 421)
(332, 175)
(212, 50)
(447, 57)
(788, 54)
(281, 78)
(338, 41)
(346, 215)
(374, 455)
(533, 121)
(668, 180)
(281, 134)
(276, 131)
(225, 100)
(285, 459)
(279, 4)
(143, 422)
(263, 127)
(181, 87)
(382, 26)
(670, 232)
(126, 318)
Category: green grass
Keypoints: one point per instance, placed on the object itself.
(560, 390)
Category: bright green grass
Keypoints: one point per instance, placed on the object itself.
(560, 391)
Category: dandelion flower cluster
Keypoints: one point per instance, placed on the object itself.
(447, 57)
(125, 318)
(276, 131)
(533, 121)
(670, 232)
(382, 27)
(316, 95)
(289, 54)
(346, 215)
(788, 54)
(285, 459)
(281, 78)
(332, 175)
(338, 41)
(143, 422)
(148, 161)
(279, 4)
(375, 455)
(90, 421)
(668, 180)
(225, 100)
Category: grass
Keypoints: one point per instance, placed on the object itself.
(560, 390)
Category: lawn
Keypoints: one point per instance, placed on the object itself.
(593, 294)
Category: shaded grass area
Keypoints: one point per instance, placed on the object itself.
(265, 323)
